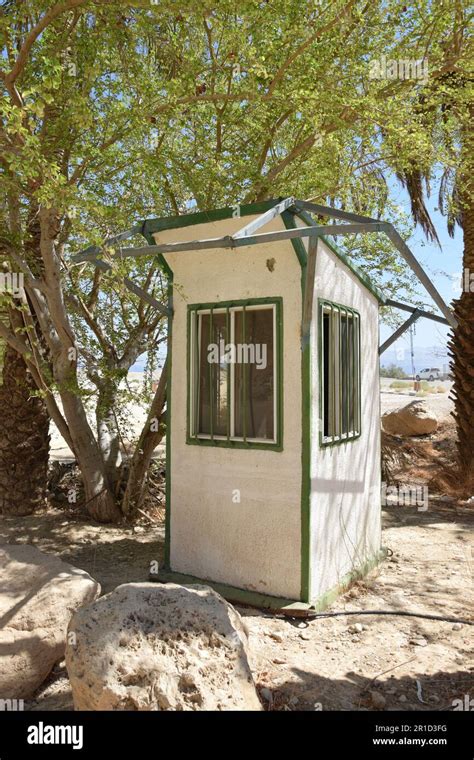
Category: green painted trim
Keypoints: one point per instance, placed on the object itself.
(231, 593)
(168, 415)
(189, 390)
(306, 411)
(237, 302)
(276, 301)
(332, 304)
(330, 596)
(230, 444)
(275, 603)
(169, 274)
(361, 276)
(201, 217)
(168, 418)
(298, 245)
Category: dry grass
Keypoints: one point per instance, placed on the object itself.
(429, 460)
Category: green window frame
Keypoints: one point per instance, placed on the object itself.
(339, 373)
(230, 393)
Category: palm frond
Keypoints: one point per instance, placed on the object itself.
(412, 181)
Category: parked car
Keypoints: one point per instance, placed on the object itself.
(433, 373)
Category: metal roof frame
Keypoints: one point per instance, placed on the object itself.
(248, 235)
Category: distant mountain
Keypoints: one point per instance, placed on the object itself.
(424, 356)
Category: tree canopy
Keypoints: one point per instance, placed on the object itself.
(111, 112)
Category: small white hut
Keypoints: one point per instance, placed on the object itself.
(273, 436)
(273, 429)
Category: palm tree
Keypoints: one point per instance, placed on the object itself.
(456, 202)
(461, 344)
(24, 442)
(24, 439)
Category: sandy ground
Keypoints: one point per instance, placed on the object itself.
(341, 663)
(440, 403)
(348, 662)
(365, 661)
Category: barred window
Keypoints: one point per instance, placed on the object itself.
(234, 372)
(340, 380)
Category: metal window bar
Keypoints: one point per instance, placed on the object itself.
(349, 373)
(244, 379)
(339, 372)
(353, 376)
(197, 368)
(217, 376)
(211, 376)
(276, 368)
(348, 376)
(328, 357)
(323, 359)
(359, 377)
(332, 371)
(355, 401)
(233, 397)
(345, 379)
(342, 341)
(228, 378)
(193, 376)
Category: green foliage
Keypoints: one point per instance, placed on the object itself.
(119, 111)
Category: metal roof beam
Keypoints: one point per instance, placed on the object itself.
(230, 242)
(136, 289)
(95, 249)
(416, 267)
(264, 218)
(313, 248)
(246, 236)
(333, 213)
(399, 244)
(412, 309)
(403, 328)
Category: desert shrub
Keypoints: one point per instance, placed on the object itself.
(393, 371)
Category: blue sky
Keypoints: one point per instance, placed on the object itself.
(443, 265)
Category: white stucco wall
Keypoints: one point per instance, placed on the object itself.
(254, 545)
(345, 479)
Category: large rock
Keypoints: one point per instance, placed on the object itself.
(416, 418)
(38, 595)
(147, 646)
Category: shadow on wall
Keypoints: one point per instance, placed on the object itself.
(346, 526)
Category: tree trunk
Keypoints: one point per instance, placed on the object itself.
(100, 499)
(24, 440)
(150, 437)
(462, 344)
(107, 433)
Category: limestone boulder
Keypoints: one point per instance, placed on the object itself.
(415, 418)
(38, 595)
(149, 646)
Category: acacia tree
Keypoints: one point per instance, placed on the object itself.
(71, 109)
(111, 113)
